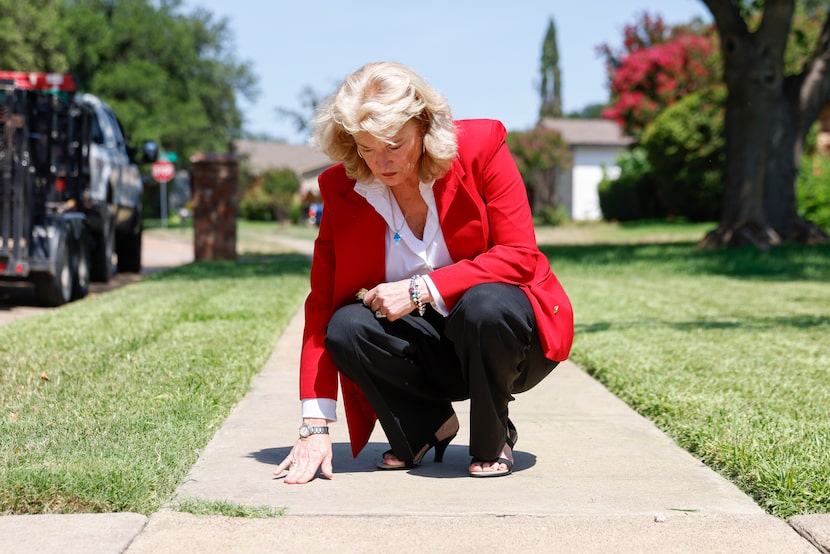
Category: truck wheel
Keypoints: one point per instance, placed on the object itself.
(128, 248)
(79, 254)
(101, 256)
(56, 289)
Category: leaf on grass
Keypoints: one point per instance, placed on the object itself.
(14, 416)
(43, 376)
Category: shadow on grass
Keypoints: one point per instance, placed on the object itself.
(782, 263)
(757, 323)
(247, 266)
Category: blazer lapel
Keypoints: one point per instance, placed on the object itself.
(363, 242)
(462, 214)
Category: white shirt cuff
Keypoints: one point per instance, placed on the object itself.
(437, 300)
(320, 408)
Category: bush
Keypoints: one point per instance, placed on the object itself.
(685, 149)
(272, 197)
(256, 205)
(633, 194)
(813, 190)
(554, 215)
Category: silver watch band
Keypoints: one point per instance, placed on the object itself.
(308, 430)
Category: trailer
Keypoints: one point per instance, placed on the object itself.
(70, 188)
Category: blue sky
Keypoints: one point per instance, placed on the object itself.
(482, 54)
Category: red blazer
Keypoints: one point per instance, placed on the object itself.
(486, 221)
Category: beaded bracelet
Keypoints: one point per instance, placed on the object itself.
(415, 294)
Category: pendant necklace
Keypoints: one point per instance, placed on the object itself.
(397, 237)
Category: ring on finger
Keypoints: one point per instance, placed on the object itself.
(379, 314)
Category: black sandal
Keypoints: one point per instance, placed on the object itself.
(440, 448)
(512, 438)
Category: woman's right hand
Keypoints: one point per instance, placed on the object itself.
(392, 300)
(308, 455)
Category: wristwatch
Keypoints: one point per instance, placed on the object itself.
(306, 430)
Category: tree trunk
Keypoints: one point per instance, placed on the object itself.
(780, 201)
(746, 128)
(766, 120)
(544, 190)
(540, 189)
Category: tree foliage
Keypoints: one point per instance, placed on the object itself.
(646, 32)
(177, 62)
(634, 193)
(271, 196)
(649, 79)
(768, 115)
(685, 150)
(167, 74)
(302, 119)
(590, 111)
(814, 190)
(772, 59)
(656, 65)
(28, 41)
(538, 154)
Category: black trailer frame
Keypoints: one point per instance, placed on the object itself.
(44, 170)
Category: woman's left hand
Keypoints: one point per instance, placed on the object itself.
(390, 300)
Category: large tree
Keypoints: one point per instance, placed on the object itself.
(767, 118)
(302, 119)
(551, 86)
(171, 76)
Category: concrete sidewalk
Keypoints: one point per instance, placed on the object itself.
(591, 476)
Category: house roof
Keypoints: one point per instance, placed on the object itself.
(262, 156)
(588, 132)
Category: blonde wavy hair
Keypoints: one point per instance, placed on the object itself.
(379, 99)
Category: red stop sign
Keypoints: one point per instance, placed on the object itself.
(163, 171)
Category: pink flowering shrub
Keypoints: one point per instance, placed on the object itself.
(650, 79)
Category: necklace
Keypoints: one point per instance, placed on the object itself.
(397, 228)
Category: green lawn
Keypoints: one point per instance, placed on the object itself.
(727, 351)
(106, 402)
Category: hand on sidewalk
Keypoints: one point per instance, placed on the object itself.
(309, 454)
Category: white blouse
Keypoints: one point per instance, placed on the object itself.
(407, 255)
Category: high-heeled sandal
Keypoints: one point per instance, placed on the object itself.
(512, 438)
(440, 446)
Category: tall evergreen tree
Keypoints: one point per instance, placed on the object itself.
(551, 88)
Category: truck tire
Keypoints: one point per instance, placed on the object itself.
(55, 289)
(79, 254)
(100, 268)
(128, 249)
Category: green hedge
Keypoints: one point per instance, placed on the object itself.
(633, 195)
(813, 190)
(685, 148)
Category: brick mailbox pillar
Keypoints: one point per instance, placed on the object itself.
(215, 205)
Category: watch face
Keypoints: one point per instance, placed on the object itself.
(304, 431)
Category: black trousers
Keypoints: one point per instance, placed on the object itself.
(410, 370)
